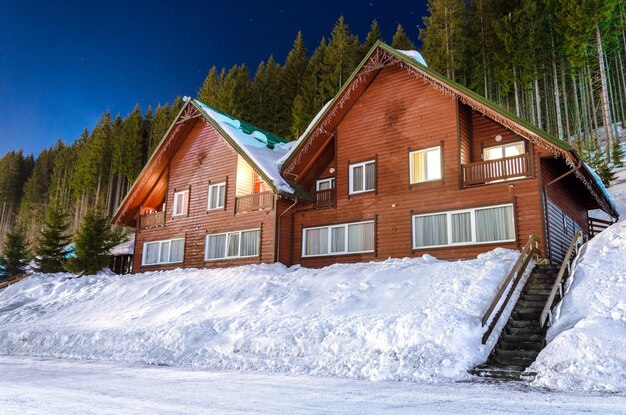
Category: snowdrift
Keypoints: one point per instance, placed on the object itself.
(587, 343)
(397, 319)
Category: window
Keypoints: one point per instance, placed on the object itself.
(163, 252)
(217, 196)
(504, 150)
(238, 244)
(363, 177)
(181, 203)
(325, 184)
(461, 227)
(348, 238)
(425, 165)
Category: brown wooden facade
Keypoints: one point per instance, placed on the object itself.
(390, 108)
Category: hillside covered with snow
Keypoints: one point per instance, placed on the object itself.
(587, 343)
(397, 319)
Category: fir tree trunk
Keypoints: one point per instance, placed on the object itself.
(604, 100)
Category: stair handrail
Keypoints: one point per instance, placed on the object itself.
(577, 242)
(12, 280)
(528, 251)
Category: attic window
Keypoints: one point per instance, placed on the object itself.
(181, 203)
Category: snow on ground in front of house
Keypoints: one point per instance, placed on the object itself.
(55, 387)
(587, 343)
(406, 319)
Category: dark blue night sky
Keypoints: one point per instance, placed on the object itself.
(62, 64)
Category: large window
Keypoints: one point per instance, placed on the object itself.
(362, 177)
(503, 150)
(217, 196)
(181, 203)
(238, 244)
(163, 252)
(347, 238)
(425, 165)
(461, 227)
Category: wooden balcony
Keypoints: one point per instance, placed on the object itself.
(152, 220)
(254, 201)
(321, 199)
(490, 171)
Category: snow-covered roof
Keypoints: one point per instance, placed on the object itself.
(125, 248)
(265, 149)
(415, 55)
(601, 186)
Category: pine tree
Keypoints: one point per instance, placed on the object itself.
(444, 37)
(340, 58)
(372, 37)
(401, 41)
(617, 154)
(312, 96)
(291, 83)
(160, 124)
(15, 255)
(53, 240)
(209, 90)
(93, 242)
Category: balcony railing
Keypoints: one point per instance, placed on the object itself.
(254, 201)
(321, 199)
(152, 220)
(482, 172)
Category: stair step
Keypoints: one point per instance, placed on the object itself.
(512, 323)
(539, 286)
(519, 338)
(517, 353)
(502, 361)
(536, 291)
(520, 346)
(505, 373)
(530, 304)
(531, 297)
(541, 280)
(548, 266)
(523, 330)
(526, 314)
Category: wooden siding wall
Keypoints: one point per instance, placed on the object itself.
(562, 192)
(465, 126)
(398, 113)
(203, 158)
(485, 131)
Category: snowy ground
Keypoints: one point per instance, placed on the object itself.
(587, 342)
(33, 387)
(400, 319)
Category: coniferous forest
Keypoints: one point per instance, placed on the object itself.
(557, 63)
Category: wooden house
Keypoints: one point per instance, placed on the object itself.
(402, 162)
(405, 162)
(210, 195)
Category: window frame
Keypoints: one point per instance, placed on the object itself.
(472, 212)
(144, 251)
(212, 187)
(425, 150)
(329, 242)
(502, 146)
(351, 168)
(226, 240)
(178, 192)
(330, 180)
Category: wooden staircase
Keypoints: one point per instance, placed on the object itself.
(524, 334)
(523, 337)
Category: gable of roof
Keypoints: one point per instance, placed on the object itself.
(261, 149)
(382, 55)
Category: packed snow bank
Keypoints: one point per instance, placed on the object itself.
(396, 319)
(587, 343)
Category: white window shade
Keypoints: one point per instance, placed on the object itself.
(362, 177)
(232, 245)
(495, 224)
(348, 238)
(425, 165)
(163, 252)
